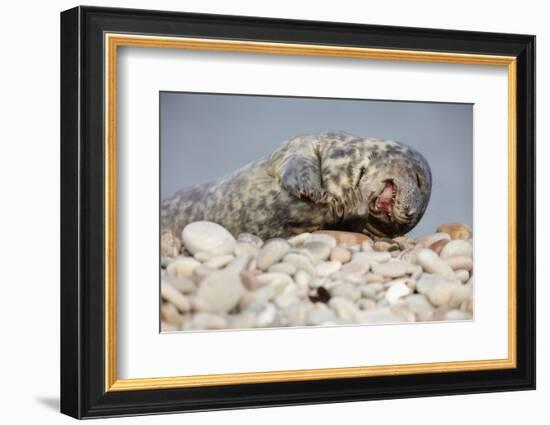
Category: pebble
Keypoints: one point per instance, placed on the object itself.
(323, 278)
(397, 291)
(457, 248)
(344, 238)
(371, 257)
(287, 268)
(249, 280)
(182, 267)
(323, 237)
(208, 321)
(391, 269)
(346, 290)
(201, 272)
(420, 306)
(441, 293)
(299, 239)
(250, 239)
(244, 320)
(427, 281)
(286, 300)
(208, 237)
(340, 254)
(300, 261)
(302, 278)
(267, 316)
(431, 262)
(371, 290)
(380, 316)
(320, 315)
(182, 284)
(275, 280)
(438, 246)
(202, 256)
(348, 277)
(456, 230)
(356, 267)
(169, 313)
(169, 293)
(165, 261)
(462, 275)
(457, 315)
(272, 252)
(221, 290)
(366, 304)
(428, 240)
(374, 278)
(344, 308)
(168, 327)
(461, 294)
(327, 268)
(460, 263)
(218, 262)
(296, 314)
(244, 248)
(366, 246)
(319, 250)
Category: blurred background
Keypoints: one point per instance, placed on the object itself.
(206, 136)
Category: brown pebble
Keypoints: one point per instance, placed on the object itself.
(456, 230)
(344, 238)
(438, 246)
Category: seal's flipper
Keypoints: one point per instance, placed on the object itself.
(297, 166)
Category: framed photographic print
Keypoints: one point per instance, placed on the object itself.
(261, 212)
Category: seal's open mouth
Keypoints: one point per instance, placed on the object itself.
(385, 200)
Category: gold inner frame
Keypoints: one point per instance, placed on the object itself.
(113, 41)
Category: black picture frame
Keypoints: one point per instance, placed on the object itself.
(83, 392)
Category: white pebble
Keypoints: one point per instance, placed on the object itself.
(397, 291)
(287, 268)
(300, 261)
(299, 239)
(319, 250)
(271, 253)
(441, 293)
(327, 268)
(174, 296)
(391, 269)
(371, 257)
(219, 262)
(345, 309)
(455, 248)
(431, 262)
(267, 316)
(208, 237)
(243, 248)
(182, 267)
(460, 263)
(221, 290)
(302, 278)
(327, 239)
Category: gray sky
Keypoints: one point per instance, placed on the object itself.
(206, 136)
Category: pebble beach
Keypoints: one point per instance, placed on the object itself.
(326, 278)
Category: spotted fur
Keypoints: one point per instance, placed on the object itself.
(312, 182)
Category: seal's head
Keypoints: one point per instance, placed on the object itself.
(394, 190)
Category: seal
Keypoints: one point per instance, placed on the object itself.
(328, 181)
